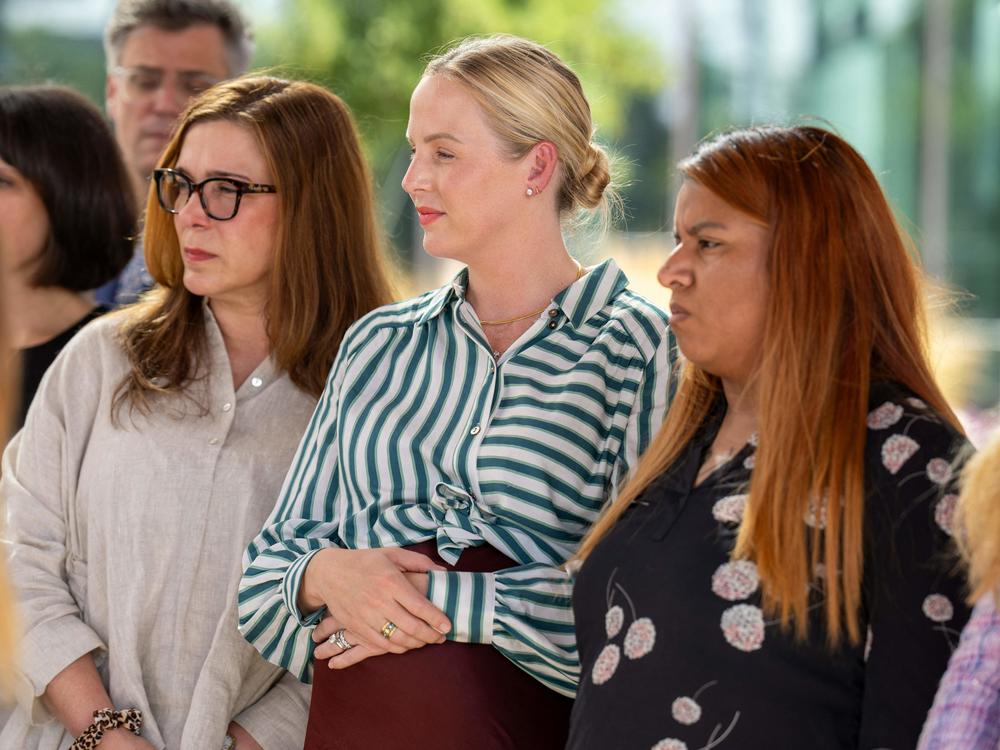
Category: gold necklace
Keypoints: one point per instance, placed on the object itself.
(579, 275)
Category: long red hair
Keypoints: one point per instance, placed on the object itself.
(844, 309)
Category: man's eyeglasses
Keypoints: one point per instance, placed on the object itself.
(220, 196)
(142, 82)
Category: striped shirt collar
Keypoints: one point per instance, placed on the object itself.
(579, 302)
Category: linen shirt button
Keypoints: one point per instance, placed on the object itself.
(227, 406)
(256, 382)
(475, 430)
(213, 441)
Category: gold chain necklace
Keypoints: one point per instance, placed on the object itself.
(579, 275)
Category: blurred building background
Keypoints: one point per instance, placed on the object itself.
(914, 84)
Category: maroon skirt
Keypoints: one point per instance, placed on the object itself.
(451, 696)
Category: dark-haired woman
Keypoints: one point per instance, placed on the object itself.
(159, 437)
(779, 573)
(67, 215)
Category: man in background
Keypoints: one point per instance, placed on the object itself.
(160, 54)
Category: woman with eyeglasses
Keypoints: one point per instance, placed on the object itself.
(67, 219)
(159, 439)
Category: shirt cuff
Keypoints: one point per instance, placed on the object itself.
(469, 600)
(45, 651)
(290, 591)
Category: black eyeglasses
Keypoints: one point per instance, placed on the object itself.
(220, 196)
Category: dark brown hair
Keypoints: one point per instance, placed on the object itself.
(62, 145)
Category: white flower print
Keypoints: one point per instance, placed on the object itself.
(868, 643)
(938, 470)
(613, 621)
(938, 608)
(754, 439)
(730, 509)
(750, 461)
(670, 744)
(896, 450)
(944, 513)
(743, 627)
(640, 638)
(884, 416)
(606, 664)
(685, 710)
(735, 580)
(815, 515)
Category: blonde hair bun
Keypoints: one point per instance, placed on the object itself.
(529, 95)
(595, 176)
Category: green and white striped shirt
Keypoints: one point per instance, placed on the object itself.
(421, 434)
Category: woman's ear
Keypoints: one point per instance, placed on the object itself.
(543, 159)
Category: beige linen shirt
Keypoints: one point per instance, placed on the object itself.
(126, 541)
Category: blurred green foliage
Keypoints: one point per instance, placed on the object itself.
(372, 52)
(40, 56)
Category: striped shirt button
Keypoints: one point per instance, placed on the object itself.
(475, 430)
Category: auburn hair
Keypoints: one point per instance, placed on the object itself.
(327, 271)
(844, 309)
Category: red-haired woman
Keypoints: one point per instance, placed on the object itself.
(778, 571)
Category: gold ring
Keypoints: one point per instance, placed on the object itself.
(388, 629)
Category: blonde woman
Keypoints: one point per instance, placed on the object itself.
(159, 437)
(777, 573)
(966, 712)
(467, 438)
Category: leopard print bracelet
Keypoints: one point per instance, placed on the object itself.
(106, 719)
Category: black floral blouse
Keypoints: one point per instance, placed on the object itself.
(677, 653)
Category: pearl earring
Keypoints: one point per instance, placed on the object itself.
(529, 192)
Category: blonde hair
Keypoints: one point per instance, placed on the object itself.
(328, 267)
(844, 310)
(529, 95)
(979, 520)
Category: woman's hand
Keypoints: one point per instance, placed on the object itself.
(341, 658)
(364, 589)
(243, 739)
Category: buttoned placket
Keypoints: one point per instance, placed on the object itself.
(489, 395)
